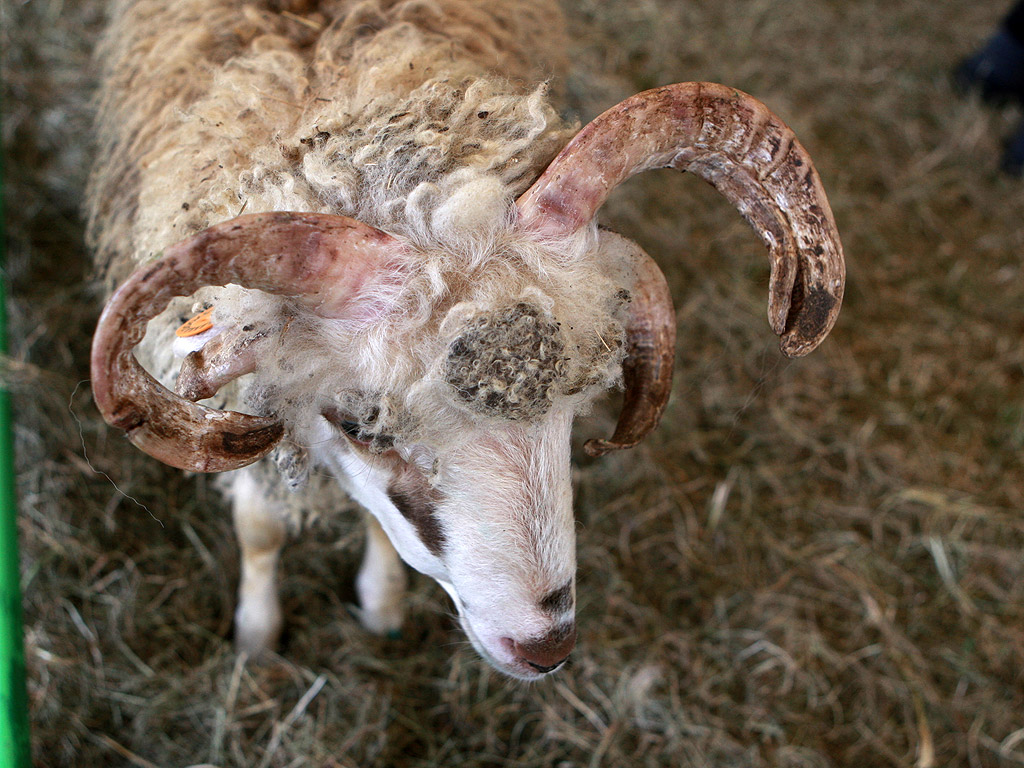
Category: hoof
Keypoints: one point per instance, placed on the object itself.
(257, 633)
(384, 620)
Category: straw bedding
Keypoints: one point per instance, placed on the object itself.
(811, 563)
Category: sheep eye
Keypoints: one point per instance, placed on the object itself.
(359, 432)
(341, 421)
(350, 428)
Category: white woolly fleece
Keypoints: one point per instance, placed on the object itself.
(388, 127)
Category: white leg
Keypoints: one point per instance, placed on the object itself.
(380, 583)
(261, 534)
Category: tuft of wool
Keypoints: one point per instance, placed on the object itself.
(386, 106)
(421, 163)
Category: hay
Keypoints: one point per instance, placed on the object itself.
(817, 563)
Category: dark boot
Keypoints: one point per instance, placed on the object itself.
(1013, 157)
(996, 71)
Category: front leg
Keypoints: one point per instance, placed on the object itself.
(261, 533)
(380, 583)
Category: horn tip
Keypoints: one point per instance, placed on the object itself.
(598, 447)
(227, 451)
(794, 346)
(811, 322)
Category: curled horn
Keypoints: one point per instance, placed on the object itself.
(650, 351)
(321, 260)
(747, 153)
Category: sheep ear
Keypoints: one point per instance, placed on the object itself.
(733, 141)
(321, 261)
(650, 348)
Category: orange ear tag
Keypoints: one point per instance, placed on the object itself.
(198, 324)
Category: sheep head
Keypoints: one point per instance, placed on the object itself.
(466, 465)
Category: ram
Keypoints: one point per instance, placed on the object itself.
(389, 235)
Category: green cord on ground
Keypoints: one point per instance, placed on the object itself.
(14, 738)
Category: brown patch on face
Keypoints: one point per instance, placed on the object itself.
(410, 492)
(558, 600)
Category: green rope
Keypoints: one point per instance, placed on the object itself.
(14, 739)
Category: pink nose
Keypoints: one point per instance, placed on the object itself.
(546, 653)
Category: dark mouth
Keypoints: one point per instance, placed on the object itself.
(545, 670)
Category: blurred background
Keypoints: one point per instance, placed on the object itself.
(811, 563)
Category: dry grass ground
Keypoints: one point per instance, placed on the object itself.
(813, 563)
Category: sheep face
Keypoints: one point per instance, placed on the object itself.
(455, 435)
(443, 405)
(490, 519)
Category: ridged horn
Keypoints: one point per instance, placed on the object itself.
(747, 153)
(650, 350)
(750, 156)
(319, 259)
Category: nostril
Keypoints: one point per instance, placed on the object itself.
(547, 653)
